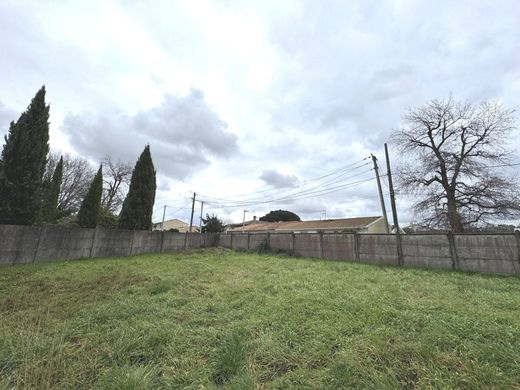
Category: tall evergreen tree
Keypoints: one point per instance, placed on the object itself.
(138, 205)
(50, 194)
(89, 210)
(23, 163)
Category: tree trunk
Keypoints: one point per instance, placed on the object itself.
(453, 215)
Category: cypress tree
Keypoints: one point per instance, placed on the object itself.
(23, 163)
(50, 194)
(89, 210)
(138, 205)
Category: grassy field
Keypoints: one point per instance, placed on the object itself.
(221, 319)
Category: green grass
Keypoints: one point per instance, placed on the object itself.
(222, 319)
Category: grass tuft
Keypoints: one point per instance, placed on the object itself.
(126, 378)
(230, 358)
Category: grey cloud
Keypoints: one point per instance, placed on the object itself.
(357, 67)
(278, 180)
(184, 133)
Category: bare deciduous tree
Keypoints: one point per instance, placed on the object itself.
(116, 180)
(453, 158)
(77, 176)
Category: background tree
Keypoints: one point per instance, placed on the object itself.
(138, 205)
(116, 180)
(23, 162)
(50, 193)
(212, 224)
(280, 215)
(88, 214)
(107, 220)
(454, 157)
(78, 174)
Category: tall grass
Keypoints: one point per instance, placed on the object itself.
(221, 319)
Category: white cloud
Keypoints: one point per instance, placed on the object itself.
(184, 134)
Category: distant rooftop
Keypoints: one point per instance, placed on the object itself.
(317, 225)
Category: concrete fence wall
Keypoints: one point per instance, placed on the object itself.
(490, 253)
(493, 253)
(34, 244)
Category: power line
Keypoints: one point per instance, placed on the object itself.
(285, 194)
(306, 195)
(343, 170)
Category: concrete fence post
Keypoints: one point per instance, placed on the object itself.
(517, 235)
(268, 239)
(93, 245)
(185, 240)
(38, 245)
(321, 245)
(132, 243)
(248, 238)
(231, 240)
(453, 251)
(162, 241)
(292, 242)
(356, 246)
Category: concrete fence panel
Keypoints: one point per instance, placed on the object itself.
(307, 244)
(18, 244)
(339, 247)
(173, 242)
(281, 241)
(109, 242)
(224, 240)
(146, 242)
(194, 241)
(377, 249)
(240, 241)
(488, 253)
(256, 239)
(431, 251)
(61, 243)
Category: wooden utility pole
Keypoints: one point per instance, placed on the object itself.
(201, 208)
(394, 209)
(192, 210)
(163, 215)
(381, 198)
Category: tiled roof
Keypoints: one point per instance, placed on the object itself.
(328, 224)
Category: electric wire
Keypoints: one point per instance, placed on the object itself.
(290, 192)
(312, 194)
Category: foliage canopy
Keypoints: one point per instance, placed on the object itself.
(23, 162)
(137, 210)
(280, 215)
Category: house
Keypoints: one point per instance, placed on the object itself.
(358, 225)
(240, 224)
(177, 224)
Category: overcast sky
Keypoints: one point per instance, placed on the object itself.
(252, 99)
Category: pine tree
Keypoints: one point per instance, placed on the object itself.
(50, 194)
(23, 163)
(89, 210)
(138, 205)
